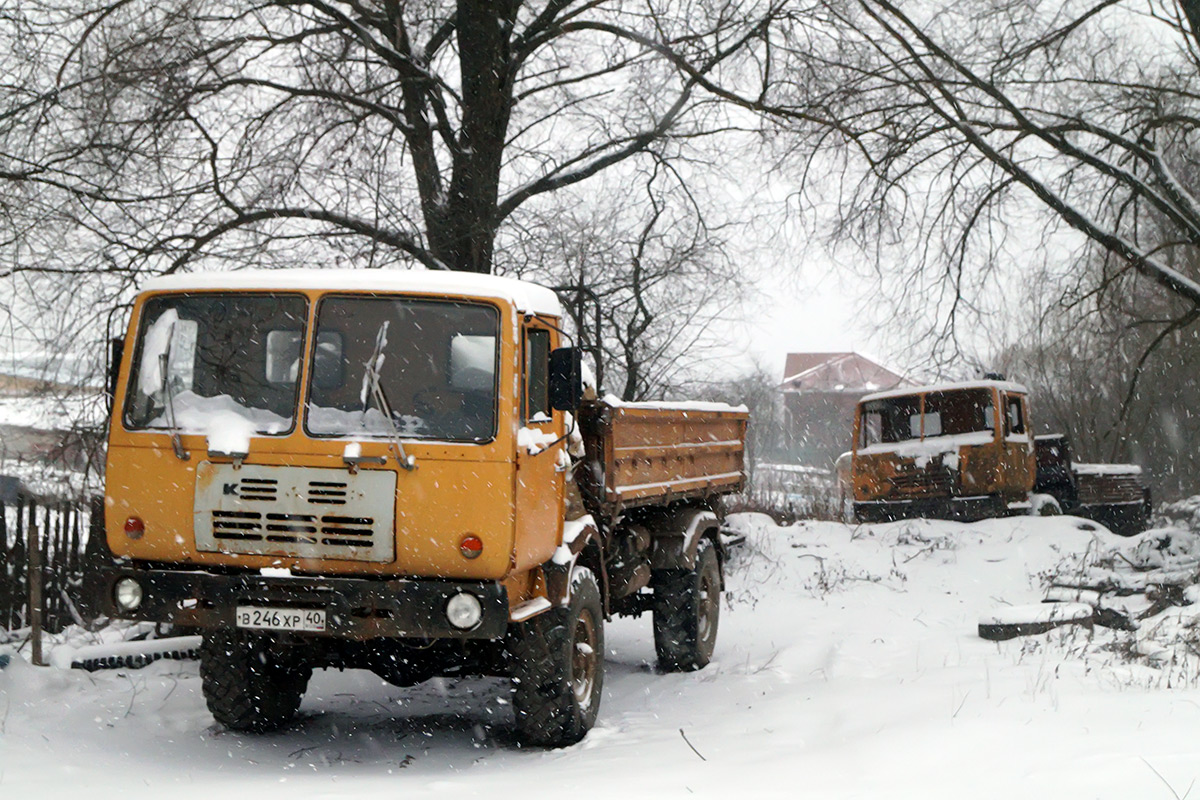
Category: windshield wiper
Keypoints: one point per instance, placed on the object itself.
(372, 390)
(172, 423)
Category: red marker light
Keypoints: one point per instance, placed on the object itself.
(470, 546)
(134, 527)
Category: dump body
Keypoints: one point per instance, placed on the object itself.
(959, 450)
(651, 454)
(1115, 495)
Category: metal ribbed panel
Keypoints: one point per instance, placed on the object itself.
(297, 512)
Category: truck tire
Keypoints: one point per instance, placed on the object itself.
(247, 685)
(1044, 505)
(687, 609)
(557, 666)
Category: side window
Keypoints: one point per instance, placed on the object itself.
(283, 356)
(933, 424)
(872, 428)
(169, 354)
(329, 368)
(472, 362)
(537, 385)
(1014, 417)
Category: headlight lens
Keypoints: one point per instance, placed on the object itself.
(128, 594)
(464, 611)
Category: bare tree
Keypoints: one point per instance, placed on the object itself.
(943, 128)
(653, 265)
(399, 131)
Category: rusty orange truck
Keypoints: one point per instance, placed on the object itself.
(966, 451)
(370, 469)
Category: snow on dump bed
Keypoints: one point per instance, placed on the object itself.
(847, 668)
(1106, 469)
(526, 296)
(673, 405)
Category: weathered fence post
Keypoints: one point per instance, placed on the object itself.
(35, 592)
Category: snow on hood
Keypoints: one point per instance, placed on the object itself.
(922, 450)
(227, 424)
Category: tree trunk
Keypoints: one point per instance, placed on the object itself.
(484, 28)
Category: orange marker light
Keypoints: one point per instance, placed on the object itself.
(470, 546)
(134, 527)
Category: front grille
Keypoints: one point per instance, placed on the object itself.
(330, 493)
(295, 511)
(919, 481)
(330, 530)
(263, 489)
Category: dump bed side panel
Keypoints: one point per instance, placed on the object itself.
(642, 454)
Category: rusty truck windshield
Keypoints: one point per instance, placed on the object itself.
(433, 362)
(900, 419)
(217, 363)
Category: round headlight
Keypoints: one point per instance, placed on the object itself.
(128, 594)
(464, 611)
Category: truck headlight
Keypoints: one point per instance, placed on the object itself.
(464, 611)
(128, 594)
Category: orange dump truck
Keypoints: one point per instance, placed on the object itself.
(322, 468)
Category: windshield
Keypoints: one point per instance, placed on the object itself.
(899, 419)
(434, 362)
(227, 363)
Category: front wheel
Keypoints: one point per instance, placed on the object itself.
(249, 683)
(557, 666)
(687, 608)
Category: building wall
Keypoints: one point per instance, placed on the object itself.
(820, 425)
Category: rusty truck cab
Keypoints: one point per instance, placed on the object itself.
(953, 451)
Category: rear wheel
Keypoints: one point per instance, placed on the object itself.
(1044, 505)
(687, 610)
(557, 664)
(249, 683)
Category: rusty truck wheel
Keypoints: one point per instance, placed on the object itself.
(248, 684)
(687, 608)
(557, 665)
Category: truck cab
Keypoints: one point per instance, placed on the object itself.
(955, 451)
(327, 422)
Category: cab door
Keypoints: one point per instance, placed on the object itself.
(540, 446)
(1019, 463)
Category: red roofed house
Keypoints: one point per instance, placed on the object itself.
(820, 391)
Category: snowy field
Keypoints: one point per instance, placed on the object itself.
(848, 665)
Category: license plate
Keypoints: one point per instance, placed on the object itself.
(281, 619)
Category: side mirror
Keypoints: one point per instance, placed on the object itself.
(566, 378)
(116, 349)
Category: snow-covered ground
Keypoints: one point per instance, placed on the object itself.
(848, 666)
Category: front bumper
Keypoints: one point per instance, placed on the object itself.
(356, 608)
(964, 509)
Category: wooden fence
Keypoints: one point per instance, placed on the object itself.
(61, 530)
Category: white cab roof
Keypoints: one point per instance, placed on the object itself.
(1004, 386)
(526, 296)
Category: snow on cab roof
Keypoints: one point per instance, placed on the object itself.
(1004, 386)
(526, 296)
